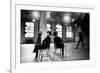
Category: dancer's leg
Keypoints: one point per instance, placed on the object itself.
(77, 44)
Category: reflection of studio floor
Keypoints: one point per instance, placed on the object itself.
(70, 53)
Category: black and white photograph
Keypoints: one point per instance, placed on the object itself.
(54, 36)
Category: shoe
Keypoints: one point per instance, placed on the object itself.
(62, 56)
(36, 59)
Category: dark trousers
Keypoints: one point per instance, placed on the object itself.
(80, 41)
(62, 51)
(36, 56)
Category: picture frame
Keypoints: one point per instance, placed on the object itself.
(16, 66)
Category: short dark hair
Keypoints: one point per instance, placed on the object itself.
(39, 34)
(49, 32)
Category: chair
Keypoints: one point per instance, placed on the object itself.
(60, 48)
(43, 53)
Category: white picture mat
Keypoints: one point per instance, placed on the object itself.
(15, 60)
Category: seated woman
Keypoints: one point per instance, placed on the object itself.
(58, 42)
(46, 42)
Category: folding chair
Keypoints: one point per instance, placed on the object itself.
(56, 49)
(43, 53)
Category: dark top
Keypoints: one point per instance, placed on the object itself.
(58, 42)
(46, 42)
(38, 40)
